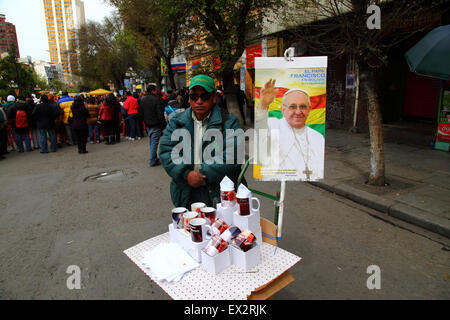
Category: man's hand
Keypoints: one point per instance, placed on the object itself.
(195, 179)
(268, 93)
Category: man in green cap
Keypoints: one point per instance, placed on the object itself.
(197, 179)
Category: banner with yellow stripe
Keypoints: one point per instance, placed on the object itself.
(299, 154)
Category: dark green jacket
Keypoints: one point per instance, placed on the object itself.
(180, 191)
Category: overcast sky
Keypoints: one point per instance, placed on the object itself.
(28, 17)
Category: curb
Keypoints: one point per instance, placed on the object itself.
(392, 208)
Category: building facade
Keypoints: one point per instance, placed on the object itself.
(8, 36)
(62, 18)
(48, 71)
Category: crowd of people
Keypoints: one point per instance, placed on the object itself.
(64, 120)
(40, 121)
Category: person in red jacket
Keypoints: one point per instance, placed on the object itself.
(131, 105)
(106, 116)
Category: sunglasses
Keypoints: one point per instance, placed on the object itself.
(205, 96)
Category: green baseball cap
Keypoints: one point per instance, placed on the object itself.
(204, 81)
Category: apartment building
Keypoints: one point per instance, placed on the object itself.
(62, 18)
(8, 36)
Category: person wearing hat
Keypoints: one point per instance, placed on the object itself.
(194, 178)
(10, 135)
(3, 134)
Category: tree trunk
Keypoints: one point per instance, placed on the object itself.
(231, 95)
(170, 73)
(156, 70)
(377, 166)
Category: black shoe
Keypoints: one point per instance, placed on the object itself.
(157, 163)
(44, 152)
(85, 151)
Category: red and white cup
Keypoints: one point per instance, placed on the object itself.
(215, 246)
(199, 228)
(197, 206)
(219, 226)
(208, 213)
(187, 217)
(245, 240)
(227, 198)
(246, 205)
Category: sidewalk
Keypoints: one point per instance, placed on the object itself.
(418, 176)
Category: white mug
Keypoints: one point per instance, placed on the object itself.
(195, 207)
(199, 228)
(187, 217)
(246, 205)
(177, 217)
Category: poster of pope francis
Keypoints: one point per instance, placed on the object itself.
(290, 101)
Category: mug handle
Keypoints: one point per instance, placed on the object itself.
(208, 236)
(257, 200)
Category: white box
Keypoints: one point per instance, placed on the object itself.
(185, 241)
(226, 214)
(251, 222)
(218, 263)
(246, 260)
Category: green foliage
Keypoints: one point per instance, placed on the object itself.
(161, 23)
(230, 23)
(24, 77)
(107, 50)
(340, 27)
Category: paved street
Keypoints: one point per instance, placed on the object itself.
(51, 218)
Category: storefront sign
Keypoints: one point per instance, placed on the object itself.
(164, 72)
(196, 63)
(179, 67)
(444, 132)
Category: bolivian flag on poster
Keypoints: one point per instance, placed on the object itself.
(290, 101)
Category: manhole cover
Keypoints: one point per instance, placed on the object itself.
(112, 175)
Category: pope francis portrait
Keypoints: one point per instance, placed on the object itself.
(295, 151)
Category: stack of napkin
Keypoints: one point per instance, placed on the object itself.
(168, 261)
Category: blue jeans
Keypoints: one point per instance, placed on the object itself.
(154, 135)
(43, 134)
(134, 128)
(93, 128)
(20, 142)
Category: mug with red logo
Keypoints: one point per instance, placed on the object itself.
(227, 198)
(197, 206)
(245, 240)
(199, 228)
(208, 213)
(246, 205)
(187, 217)
(219, 226)
(215, 246)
